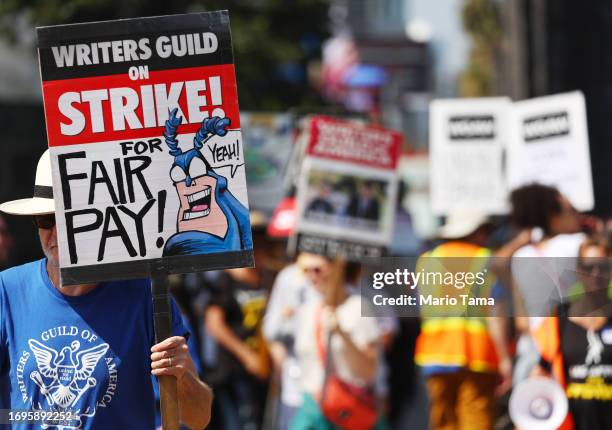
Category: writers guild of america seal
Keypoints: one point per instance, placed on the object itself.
(71, 370)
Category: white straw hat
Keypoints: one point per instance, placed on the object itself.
(461, 222)
(42, 201)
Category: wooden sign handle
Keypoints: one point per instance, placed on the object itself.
(162, 321)
(169, 402)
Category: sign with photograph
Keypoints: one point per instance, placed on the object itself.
(550, 145)
(467, 141)
(146, 149)
(347, 190)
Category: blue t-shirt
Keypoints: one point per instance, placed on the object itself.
(90, 354)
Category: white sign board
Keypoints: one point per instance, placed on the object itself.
(467, 141)
(148, 168)
(550, 145)
(347, 189)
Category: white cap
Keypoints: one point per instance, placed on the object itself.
(461, 222)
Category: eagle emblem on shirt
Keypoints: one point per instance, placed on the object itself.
(68, 373)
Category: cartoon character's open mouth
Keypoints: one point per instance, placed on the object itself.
(199, 204)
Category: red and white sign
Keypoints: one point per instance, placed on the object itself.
(347, 189)
(115, 107)
(354, 143)
(146, 148)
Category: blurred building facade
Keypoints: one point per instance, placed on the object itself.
(554, 46)
(420, 45)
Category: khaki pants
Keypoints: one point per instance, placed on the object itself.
(462, 400)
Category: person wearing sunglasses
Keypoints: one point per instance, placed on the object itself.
(576, 345)
(334, 343)
(85, 351)
(594, 272)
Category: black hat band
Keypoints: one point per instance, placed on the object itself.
(43, 191)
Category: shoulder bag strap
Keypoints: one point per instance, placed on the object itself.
(323, 350)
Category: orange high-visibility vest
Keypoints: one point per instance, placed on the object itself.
(548, 339)
(456, 341)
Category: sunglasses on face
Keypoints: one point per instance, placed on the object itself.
(601, 267)
(44, 222)
(317, 270)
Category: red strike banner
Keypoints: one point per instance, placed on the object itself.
(354, 143)
(114, 107)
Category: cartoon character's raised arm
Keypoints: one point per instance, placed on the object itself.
(172, 124)
(210, 127)
(214, 126)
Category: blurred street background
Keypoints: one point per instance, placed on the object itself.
(379, 62)
(293, 57)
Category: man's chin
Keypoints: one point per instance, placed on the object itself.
(52, 256)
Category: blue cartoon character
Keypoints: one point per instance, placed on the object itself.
(210, 219)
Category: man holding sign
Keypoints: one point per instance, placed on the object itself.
(79, 355)
(132, 198)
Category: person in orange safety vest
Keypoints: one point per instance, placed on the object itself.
(459, 354)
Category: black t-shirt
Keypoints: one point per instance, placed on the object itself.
(587, 357)
(244, 308)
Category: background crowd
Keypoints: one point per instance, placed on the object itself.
(261, 331)
(261, 336)
(269, 339)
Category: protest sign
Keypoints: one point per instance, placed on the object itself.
(347, 189)
(146, 149)
(268, 145)
(550, 145)
(467, 141)
(414, 170)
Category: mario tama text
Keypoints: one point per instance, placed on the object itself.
(432, 288)
(422, 300)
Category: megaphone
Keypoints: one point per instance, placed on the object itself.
(538, 404)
